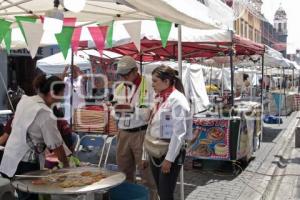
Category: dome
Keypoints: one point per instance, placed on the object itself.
(280, 13)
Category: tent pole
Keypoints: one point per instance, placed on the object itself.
(180, 76)
(293, 77)
(284, 92)
(232, 70)
(72, 88)
(179, 51)
(222, 81)
(210, 77)
(262, 81)
(141, 64)
(280, 97)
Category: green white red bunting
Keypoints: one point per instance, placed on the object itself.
(134, 31)
(64, 40)
(76, 39)
(164, 28)
(109, 35)
(33, 35)
(99, 34)
(7, 40)
(20, 19)
(4, 28)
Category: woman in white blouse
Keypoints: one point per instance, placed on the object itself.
(169, 126)
(34, 128)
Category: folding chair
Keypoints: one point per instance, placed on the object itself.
(107, 144)
(88, 140)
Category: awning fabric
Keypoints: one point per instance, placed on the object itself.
(190, 13)
(56, 63)
(195, 43)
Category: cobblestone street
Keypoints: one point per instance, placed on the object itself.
(217, 180)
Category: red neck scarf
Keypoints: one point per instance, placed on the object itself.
(164, 95)
(137, 81)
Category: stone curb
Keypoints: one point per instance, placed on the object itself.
(268, 167)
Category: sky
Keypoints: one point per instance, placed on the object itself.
(292, 8)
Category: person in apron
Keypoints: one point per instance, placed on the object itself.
(34, 128)
(169, 125)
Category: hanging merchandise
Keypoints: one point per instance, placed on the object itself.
(64, 40)
(134, 31)
(99, 34)
(33, 34)
(164, 28)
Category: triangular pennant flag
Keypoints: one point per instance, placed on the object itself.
(5, 26)
(7, 41)
(164, 28)
(64, 39)
(134, 31)
(20, 19)
(70, 21)
(99, 34)
(109, 36)
(76, 39)
(33, 34)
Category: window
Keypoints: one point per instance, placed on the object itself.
(250, 35)
(242, 28)
(285, 28)
(279, 27)
(246, 30)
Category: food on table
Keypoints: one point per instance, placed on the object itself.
(86, 173)
(67, 180)
(39, 182)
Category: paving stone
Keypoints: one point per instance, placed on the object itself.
(247, 185)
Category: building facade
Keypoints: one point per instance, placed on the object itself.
(248, 22)
(253, 25)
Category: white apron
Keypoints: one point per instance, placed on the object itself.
(16, 146)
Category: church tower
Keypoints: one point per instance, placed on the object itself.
(280, 25)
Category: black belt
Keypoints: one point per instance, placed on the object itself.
(141, 128)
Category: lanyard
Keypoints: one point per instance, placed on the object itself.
(126, 93)
(166, 94)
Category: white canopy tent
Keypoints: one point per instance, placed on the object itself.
(108, 10)
(56, 63)
(215, 12)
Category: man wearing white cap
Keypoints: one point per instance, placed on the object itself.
(133, 96)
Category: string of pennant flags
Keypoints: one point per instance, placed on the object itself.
(70, 34)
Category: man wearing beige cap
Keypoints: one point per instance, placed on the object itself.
(133, 96)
